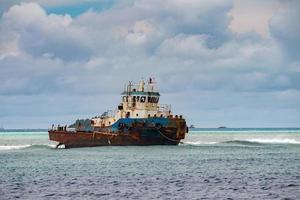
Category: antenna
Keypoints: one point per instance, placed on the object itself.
(129, 87)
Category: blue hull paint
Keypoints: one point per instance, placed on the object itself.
(149, 121)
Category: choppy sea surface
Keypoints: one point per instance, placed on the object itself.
(209, 164)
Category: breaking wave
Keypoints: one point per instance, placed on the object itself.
(12, 147)
(275, 141)
(254, 141)
(16, 147)
(198, 143)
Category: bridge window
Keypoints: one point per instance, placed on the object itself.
(151, 99)
(143, 98)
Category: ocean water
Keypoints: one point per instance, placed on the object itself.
(209, 164)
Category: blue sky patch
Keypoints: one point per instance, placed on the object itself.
(77, 9)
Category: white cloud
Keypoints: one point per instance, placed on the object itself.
(38, 33)
(254, 15)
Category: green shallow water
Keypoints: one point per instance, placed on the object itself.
(210, 164)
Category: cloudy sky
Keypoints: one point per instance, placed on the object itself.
(218, 62)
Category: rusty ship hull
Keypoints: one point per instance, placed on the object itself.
(138, 120)
(136, 133)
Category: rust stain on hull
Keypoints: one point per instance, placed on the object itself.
(136, 135)
(84, 139)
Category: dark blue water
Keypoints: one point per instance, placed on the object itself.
(211, 164)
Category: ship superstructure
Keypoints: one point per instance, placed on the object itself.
(138, 101)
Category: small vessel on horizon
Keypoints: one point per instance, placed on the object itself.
(139, 120)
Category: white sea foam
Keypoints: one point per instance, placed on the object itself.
(244, 141)
(199, 143)
(53, 146)
(11, 147)
(274, 140)
(15, 147)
